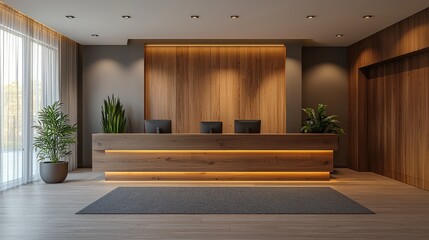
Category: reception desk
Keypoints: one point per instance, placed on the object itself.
(214, 156)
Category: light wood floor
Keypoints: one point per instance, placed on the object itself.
(41, 211)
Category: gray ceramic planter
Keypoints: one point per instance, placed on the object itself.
(53, 172)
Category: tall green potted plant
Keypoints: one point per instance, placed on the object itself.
(113, 118)
(54, 135)
(318, 122)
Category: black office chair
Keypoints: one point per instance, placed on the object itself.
(157, 126)
(210, 127)
(247, 126)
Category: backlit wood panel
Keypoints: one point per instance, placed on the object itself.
(190, 84)
(370, 73)
(398, 119)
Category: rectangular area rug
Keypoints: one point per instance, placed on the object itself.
(224, 200)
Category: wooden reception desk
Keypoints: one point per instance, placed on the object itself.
(214, 156)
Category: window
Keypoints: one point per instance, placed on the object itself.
(28, 81)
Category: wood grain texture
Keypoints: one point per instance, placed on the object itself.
(141, 141)
(47, 211)
(214, 83)
(214, 162)
(214, 153)
(403, 42)
(217, 176)
(398, 119)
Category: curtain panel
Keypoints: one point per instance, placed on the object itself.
(36, 68)
(69, 87)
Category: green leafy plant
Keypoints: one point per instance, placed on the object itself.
(318, 122)
(113, 117)
(54, 134)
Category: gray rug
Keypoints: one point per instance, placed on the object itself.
(224, 200)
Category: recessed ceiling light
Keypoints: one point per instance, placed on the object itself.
(94, 35)
(311, 16)
(234, 16)
(195, 16)
(339, 35)
(367, 16)
(126, 16)
(70, 16)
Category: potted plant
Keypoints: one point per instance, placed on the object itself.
(319, 122)
(54, 135)
(113, 118)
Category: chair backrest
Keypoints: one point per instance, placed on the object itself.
(157, 126)
(247, 126)
(210, 127)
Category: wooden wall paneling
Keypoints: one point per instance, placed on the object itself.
(234, 84)
(398, 117)
(249, 83)
(362, 126)
(388, 83)
(424, 163)
(404, 130)
(148, 75)
(405, 37)
(373, 99)
(418, 114)
(281, 91)
(215, 80)
(216, 83)
(204, 83)
(225, 91)
(163, 89)
(272, 84)
(229, 97)
(268, 88)
(196, 97)
(353, 135)
(183, 105)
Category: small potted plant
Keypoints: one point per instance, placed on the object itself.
(54, 135)
(318, 122)
(113, 119)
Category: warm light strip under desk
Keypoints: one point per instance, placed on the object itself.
(218, 151)
(214, 45)
(209, 176)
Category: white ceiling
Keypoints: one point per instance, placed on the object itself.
(259, 19)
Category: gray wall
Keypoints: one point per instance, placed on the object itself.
(293, 86)
(107, 70)
(325, 81)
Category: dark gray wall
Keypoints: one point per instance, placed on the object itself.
(293, 86)
(107, 70)
(325, 81)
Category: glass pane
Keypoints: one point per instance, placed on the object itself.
(44, 76)
(37, 94)
(11, 86)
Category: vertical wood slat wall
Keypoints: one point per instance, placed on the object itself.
(398, 119)
(388, 97)
(190, 84)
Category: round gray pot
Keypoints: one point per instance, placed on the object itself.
(53, 172)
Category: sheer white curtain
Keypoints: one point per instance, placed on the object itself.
(68, 88)
(29, 80)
